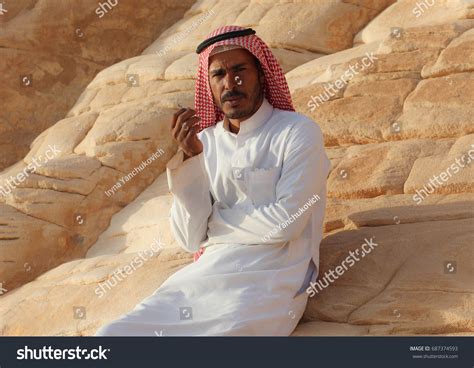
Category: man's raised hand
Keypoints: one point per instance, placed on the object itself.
(184, 129)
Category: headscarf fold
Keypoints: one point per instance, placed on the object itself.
(275, 88)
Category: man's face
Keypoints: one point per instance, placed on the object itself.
(236, 84)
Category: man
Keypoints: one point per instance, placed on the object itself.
(249, 188)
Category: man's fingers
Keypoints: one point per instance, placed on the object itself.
(191, 141)
(179, 124)
(192, 132)
(192, 121)
(175, 117)
(185, 126)
(183, 117)
(184, 129)
(184, 132)
(186, 115)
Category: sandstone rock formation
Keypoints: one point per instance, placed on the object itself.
(51, 50)
(390, 125)
(120, 120)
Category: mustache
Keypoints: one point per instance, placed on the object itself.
(230, 95)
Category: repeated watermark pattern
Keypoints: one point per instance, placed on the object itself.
(79, 312)
(136, 170)
(26, 80)
(312, 200)
(133, 80)
(450, 267)
(79, 33)
(330, 89)
(105, 7)
(437, 180)
(421, 7)
(134, 264)
(2, 9)
(3, 290)
(181, 35)
(396, 32)
(185, 313)
(349, 261)
(13, 181)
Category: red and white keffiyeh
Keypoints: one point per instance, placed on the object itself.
(275, 89)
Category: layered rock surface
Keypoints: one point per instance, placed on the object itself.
(399, 118)
(51, 50)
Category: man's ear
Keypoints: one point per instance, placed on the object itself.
(261, 79)
(261, 74)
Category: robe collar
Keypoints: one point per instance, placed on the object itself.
(260, 117)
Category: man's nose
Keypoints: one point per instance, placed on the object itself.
(230, 81)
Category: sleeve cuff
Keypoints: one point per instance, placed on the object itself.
(182, 174)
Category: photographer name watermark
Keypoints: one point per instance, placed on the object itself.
(182, 35)
(312, 200)
(136, 170)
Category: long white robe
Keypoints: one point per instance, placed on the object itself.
(255, 200)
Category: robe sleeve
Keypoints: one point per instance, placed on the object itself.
(189, 184)
(303, 176)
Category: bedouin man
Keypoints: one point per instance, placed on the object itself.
(249, 192)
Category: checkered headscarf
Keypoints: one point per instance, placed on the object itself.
(275, 89)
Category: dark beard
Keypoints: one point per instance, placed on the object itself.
(257, 98)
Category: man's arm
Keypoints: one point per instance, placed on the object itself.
(191, 206)
(188, 181)
(304, 173)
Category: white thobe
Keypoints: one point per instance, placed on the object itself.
(255, 200)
